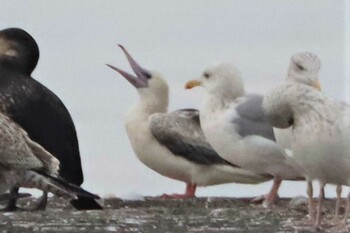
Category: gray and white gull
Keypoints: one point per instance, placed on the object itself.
(173, 144)
(237, 127)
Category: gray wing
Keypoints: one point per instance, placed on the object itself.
(181, 133)
(251, 118)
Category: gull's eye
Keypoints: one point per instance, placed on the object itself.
(300, 67)
(291, 121)
(206, 75)
(147, 74)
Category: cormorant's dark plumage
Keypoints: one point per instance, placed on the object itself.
(35, 108)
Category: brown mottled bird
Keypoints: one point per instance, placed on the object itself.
(24, 163)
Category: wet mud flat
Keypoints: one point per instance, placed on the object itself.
(158, 215)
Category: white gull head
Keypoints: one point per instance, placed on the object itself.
(151, 86)
(157, 92)
(304, 68)
(222, 80)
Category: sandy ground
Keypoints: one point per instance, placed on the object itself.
(161, 216)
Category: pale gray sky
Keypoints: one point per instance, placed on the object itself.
(347, 52)
(178, 39)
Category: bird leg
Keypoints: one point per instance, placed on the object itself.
(4, 198)
(347, 208)
(11, 204)
(311, 208)
(342, 226)
(272, 195)
(317, 221)
(190, 192)
(14, 195)
(41, 204)
(337, 203)
(269, 199)
(319, 207)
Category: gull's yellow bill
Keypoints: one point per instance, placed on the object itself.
(193, 83)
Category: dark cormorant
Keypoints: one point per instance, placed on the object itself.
(38, 110)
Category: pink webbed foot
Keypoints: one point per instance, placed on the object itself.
(190, 193)
(176, 196)
(269, 200)
(340, 226)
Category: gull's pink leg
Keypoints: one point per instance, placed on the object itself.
(190, 192)
(347, 208)
(319, 206)
(269, 199)
(342, 226)
(338, 202)
(311, 208)
(272, 195)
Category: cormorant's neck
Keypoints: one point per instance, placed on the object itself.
(7, 63)
(18, 64)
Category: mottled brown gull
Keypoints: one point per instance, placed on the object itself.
(24, 163)
(304, 68)
(320, 128)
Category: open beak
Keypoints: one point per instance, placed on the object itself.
(142, 75)
(317, 85)
(193, 83)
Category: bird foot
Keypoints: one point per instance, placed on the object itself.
(311, 229)
(42, 203)
(4, 198)
(265, 201)
(335, 221)
(340, 227)
(307, 225)
(268, 203)
(308, 222)
(40, 206)
(12, 208)
(258, 200)
(176, 196)
(16, 208)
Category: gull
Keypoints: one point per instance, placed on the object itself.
(173, 144)
(321, 134)
(237, 127)
(304, 68)
(24, 163)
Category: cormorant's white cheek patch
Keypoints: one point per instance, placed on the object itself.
(11, 53)
(5, 49)
(3, 46)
